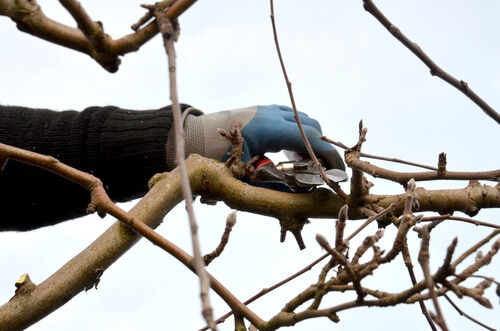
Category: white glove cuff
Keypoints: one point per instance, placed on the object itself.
(201, 134)
(194, 142)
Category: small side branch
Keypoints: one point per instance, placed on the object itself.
(353, 160)
(230, 222)
(409, 266)
(408, 220)
(423, 259)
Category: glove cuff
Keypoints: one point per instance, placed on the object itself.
(201, 136)
(193, 131)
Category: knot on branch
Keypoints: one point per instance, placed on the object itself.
(95, 280)
(169, 28)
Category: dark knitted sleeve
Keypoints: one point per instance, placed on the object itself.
(124, 148)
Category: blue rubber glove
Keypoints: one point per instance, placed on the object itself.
(273, 128)
(265, 129)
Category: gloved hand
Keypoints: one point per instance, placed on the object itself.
(265, 129)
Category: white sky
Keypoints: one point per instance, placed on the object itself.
(344, 67)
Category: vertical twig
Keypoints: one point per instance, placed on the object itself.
(339, 228)
(413, 278)
(407, 221)
(169, 31)
(309, 149)
(423, 259)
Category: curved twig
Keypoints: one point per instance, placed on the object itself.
(435, 70)
(310, 151)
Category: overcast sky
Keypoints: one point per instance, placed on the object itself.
(344, 67)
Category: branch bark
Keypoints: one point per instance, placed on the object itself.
(76, 275)
(213, 180)
(353, 161)
(435, 70)
(30, 18)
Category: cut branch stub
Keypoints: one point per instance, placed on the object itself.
(295, 226)
(442, 164)
(24, 286)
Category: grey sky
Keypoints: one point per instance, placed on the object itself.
(344, 67)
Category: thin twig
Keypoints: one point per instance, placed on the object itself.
(407, 221)
(368, 242)
(230, 222)
(353, 160)
(464, 314)
(409, 266)
(377, 157)
(235, 161)
(356, 281)
(435, 70)
(360, 186)
(310, 151)
(369, 220)
(423, 259)
(272, 288)
(473, 249)
(169, 33)
(149, 13)
(459, 218)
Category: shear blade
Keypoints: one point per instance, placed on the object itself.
(336, 175)
(307, 179)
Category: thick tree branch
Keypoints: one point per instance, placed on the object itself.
(91, 38)
(212, 180)
(468, 200)
(28, 307)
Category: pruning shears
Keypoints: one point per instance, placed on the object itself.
(298, 176)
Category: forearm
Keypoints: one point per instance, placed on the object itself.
(121, 147)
